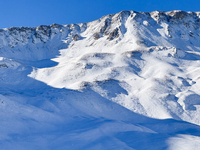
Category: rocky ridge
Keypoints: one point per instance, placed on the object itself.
(110, 26)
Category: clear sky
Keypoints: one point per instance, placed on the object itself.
(32, 13)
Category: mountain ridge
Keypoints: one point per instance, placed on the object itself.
(24, 36)
(101, 84)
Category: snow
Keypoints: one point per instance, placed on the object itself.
(126, 81)
(184, 142)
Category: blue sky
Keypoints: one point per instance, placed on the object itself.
(32, 13)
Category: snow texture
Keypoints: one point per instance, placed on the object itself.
(125, 81)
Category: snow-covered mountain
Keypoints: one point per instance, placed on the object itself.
(125, 81)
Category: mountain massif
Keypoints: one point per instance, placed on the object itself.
(129, 80)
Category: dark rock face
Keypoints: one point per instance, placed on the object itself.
(3, 66)
(96, 36)
(76, 37)
(106, 26)
(113, 34)
(46, 30)
(55, 25)
(20, 29)
(178, 14)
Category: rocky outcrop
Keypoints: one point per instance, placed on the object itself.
(113, 34)
(76, 37)
(96, 36)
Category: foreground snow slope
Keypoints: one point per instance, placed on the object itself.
(126, 81)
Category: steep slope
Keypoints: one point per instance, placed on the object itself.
(153, 57)
(98, 85)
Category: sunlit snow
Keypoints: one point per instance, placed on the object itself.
(125, 81)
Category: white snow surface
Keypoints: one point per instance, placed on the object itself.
(125, 81)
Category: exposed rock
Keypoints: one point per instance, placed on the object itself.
(46, 30)
(96, 36)
(43, 27)
(123, 14)
(160, 16)
(20, 29)
(13, 28)
(76, 37)
(191, 34)
(3, 66)
(106, 26)
(113, 34)
(55, 25)
(178, 14)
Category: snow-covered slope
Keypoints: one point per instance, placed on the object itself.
(104, 84)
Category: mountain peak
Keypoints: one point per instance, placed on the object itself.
(102, 84)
